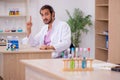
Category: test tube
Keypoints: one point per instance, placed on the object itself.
(77, 53)
(88, 52)
(81, 53)
(73, 52)
(85, 52)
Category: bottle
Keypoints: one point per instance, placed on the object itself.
(62, 54)
(65, 54)
(13, 29)
(10, 12)
(13, 11)
(17, 11)
(84, 63)
(107, 41)
(7, 26)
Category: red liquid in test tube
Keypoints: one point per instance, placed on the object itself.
(88, 52)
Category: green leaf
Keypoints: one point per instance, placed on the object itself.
(78, 22)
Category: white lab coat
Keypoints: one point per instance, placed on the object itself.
(60, 37)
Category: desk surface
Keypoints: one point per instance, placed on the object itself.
(101, 70)
(23, 49)
(10, 66)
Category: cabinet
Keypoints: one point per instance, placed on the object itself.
(13, 16)
(114, 31)
(107, 30)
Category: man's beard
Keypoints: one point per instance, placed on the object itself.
(45, 21)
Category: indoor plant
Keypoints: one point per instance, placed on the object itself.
(78, 23)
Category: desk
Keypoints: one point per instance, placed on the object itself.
(10, 66)
(51, 69)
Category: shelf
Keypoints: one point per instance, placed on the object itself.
(14, 16)
(102, 1)
(102, 34)
(102, 19)
(102, 5)
(13, 0)
(102, 48)
(102, 13)
(1, 33)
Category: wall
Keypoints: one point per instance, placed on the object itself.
(87, 6)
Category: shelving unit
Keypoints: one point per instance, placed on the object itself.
(16, 22)
(107, 17)
(101, 25)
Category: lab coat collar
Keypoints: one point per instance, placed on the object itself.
(55, 22)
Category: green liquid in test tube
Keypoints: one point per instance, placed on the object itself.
(72, 64)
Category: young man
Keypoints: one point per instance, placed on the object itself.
(55, 35)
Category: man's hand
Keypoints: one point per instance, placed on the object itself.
(50, 47)
(29, 25)
(45, 47)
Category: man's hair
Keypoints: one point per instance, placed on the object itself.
(47, 7)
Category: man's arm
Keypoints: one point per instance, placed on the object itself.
(29, 38)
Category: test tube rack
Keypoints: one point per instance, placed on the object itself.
(78, 65)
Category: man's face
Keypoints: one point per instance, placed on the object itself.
(46, 16)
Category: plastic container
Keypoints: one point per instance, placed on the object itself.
(12, 43)
(15, 42)
(1, 30)
(19, 29)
